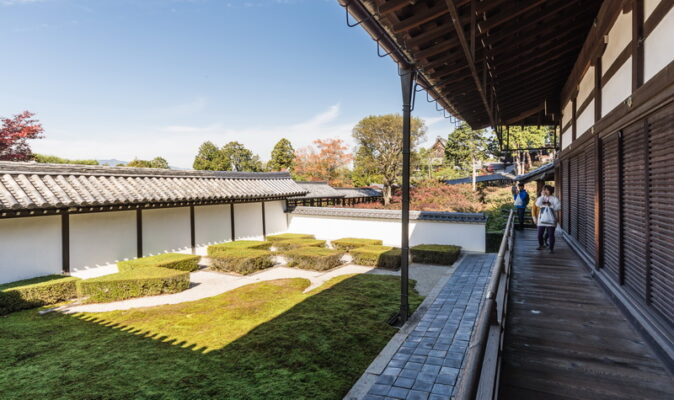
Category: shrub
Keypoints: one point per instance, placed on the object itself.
(215, 249)
(36, 292)
(439, 254)
(138, 282)
(377, 256)
(314, 258)
(181, 262)
(353, 243)
(289, 236)
(297, 243)
(243, 261)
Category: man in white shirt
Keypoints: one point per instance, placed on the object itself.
(548, 217)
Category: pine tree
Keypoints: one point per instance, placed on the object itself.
(282, 157)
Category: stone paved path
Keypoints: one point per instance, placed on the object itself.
(428, 360)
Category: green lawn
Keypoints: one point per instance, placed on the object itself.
(262, 341)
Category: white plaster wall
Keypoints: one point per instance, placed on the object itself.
(166, 231)
(248, 221)
(619, 36)
(659, 47)
(567, 137)
(567, 113)
(101, 239)
(618, 88)
(586, 86)
(212, 224)
(29, 247)
(649, 6)
(469, 236)
(275, 215)
(585, 120)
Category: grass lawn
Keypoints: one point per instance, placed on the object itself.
(263, 341)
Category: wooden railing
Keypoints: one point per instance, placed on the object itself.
(480, 377)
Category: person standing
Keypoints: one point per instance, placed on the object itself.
(521, 201)
(550, 207)
(535, 212)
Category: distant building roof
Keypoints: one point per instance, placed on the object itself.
(359, 192)
(26, 185)
(391, 214)
(545, 172)
(318, 190)
(481, 178)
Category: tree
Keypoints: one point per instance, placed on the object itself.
(382, 137)
(238, 158)
(517, 137)
(157, 162)
(42, 158)
(282, 157)
(363, 174)
(465, 147)
(209, 158)
(327, 162)
(14, 135)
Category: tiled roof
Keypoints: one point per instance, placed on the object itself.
(43, 186)
(391, 214)
(480, 178)
(359, 192)
(318, 190)
(544, 172)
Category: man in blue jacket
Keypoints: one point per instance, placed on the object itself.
(521, 201)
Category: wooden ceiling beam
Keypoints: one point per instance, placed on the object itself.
(438, 48)
(523, 115)
(458, 27)
(508, 15)
(553, 14)
(420, 18)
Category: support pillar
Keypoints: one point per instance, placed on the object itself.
(139, 232)
(65, 242)
(264, 223)
(192, 233)
(407, 84)
(231, 217)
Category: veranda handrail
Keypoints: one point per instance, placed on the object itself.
(484, 349)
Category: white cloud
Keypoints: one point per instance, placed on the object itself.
(18, 2)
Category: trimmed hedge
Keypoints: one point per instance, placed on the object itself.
(289, 236)
(297, 243)
(242, 261)
(181, 262)
(139, 282)
(439, 254)
(354, 243)
(314, 258)
(36, 292)
(377, 256)
(215, 249)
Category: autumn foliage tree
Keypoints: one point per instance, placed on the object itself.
(14, 135)
(327, 160)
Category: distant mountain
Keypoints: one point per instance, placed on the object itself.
(113, 162)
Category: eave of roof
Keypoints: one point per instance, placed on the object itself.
(544, 172)
(391, 214)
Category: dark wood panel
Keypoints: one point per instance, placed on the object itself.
(610, 206)
(565, 338)
(589, 198)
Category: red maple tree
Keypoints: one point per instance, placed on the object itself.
(326, 163)
(14, 135)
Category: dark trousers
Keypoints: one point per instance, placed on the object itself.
(550, 230)
(520, 216)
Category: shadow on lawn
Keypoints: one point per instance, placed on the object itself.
(315, 350)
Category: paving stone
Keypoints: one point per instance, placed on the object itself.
(392, 371)
(409, 373)
(398, 393)
(417, 395)
(378, 389)
(422, 385)
(385, 379)
(446, 379)
(413, 366)
(444, 390)
(430, 369)
(404, 382)
(373, 397)
(435, 360)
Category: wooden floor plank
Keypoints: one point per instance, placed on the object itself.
(565, 338)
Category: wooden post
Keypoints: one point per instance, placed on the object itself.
(597, 89)
(231, 217)
(65, 242)
(192, 232)
(407, 84)
(621, 193)
(637, 44)
(139, 232)
(647, 209)
(264, 223)
(598, 205)
(573, 119)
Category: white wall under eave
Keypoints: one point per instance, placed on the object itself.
(618, 88)
(586, 86)
(248, 221)
(29, 247)
(619, 37)
(659, 47)
(212, 224)
(585, 120)
(166, 231)
(567, 113)
(275, 215)
(470, 237)
(649, 6)
(101, 239)
(567, 137)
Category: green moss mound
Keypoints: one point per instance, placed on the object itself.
(289, 236)
(439, 254)
(314, 258)
(216, 249)
(181, 262)
(242, 261)
(297, 243)
(377, 256)
(148, 281)
(354, 243)
(36, 292)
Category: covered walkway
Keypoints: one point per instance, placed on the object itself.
(566, 339)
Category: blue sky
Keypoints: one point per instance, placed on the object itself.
(124, 79)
